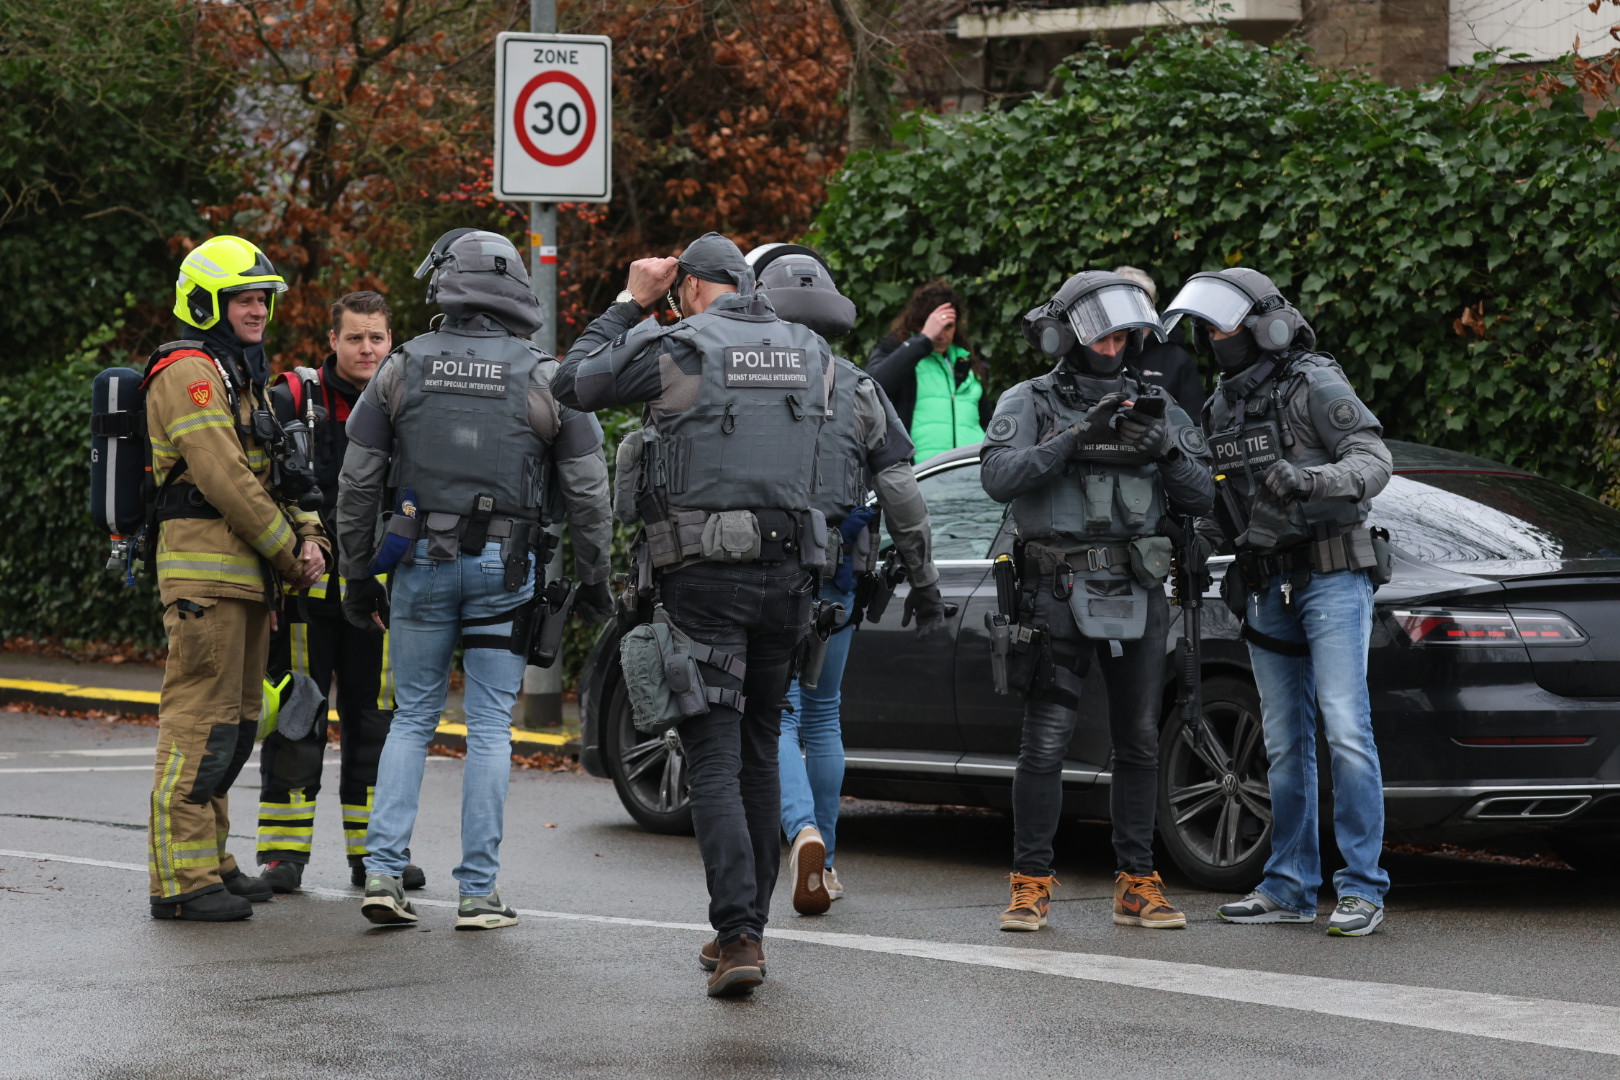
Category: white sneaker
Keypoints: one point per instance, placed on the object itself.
(805, 869)
(835, 888)
(1257, 907)
(1355, 917)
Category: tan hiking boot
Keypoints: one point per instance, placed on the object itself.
(1031, 897)
(737, 970)
(1139, 901)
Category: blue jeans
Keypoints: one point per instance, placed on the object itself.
(811, 757)
(1332, 614)
(432, 602)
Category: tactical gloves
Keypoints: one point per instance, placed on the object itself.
(594, 603)
(928, 605)
(363, 597)
(1150, 435)
(1094, 425)
(1287, 481)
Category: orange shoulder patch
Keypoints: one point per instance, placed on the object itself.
(201, 392)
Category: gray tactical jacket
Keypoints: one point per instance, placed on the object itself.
(571, 440)
(1033, 451)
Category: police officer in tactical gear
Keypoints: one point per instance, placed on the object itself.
(227, 543)
(315, 639)
(1095, 464)
(1298, 458)
(721, 478)
(461, 425)
(863, 446)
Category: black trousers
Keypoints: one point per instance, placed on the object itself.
(1134, 682)
(759, 613)
(322, 647)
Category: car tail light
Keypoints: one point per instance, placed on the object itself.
(1453, 626)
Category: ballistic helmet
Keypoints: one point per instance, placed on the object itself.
(216, 267)
(799, 285)
(481, 273)
(1090, 305)
(1239, 297)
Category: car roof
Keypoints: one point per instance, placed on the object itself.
(1409, 457)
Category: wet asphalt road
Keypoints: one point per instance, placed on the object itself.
(1482, 971)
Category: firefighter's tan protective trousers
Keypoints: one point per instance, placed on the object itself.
(207, 717)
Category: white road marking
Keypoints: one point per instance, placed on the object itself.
(1570, 1025)
(83, 768)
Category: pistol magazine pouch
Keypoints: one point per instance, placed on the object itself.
(662, 679)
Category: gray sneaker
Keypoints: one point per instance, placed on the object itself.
(1355, 917)
(385, 902)
(484, 913)
(1257, 907)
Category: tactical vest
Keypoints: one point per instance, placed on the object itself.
(842, 480)
(1109, 492)
(748, 440)
(946, 414)
(462, 424)
(1246, 442)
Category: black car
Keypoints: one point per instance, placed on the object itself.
(1494, 674)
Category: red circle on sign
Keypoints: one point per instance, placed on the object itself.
(568, 157)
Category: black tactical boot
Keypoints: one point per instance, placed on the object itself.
(283, 876)
(255, 889)
(217, 906)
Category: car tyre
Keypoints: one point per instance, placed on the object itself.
(1214, 801)
(648, 771)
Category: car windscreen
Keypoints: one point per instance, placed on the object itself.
(964, 520)
(1483, 517)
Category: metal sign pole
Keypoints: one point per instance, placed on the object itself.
(542, 703)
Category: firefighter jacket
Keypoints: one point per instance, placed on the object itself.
(254, 542)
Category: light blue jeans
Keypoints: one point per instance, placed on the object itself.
(432, 602)
(1332, 613)
(811, 755)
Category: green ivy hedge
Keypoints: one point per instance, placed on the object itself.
(1384, 214)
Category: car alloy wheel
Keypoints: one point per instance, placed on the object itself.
(1214, 799)
(649, 771)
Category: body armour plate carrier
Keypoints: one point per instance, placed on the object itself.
(1244, 452)
(748, 441)
(842, 479)
(1110, 491)
(462, 425)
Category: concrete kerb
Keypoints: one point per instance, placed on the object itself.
(133, 690)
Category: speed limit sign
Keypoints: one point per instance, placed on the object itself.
(553, 118)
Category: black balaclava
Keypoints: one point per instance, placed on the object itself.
(223, 338)
(1235, 353)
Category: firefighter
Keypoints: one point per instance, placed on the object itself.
(229, 539)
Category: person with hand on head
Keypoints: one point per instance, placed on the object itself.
(1298, 459)
(862, 446)
(1096, 465)
(720, 477)
(230, 539)
(463, 423)
(314, 639)
(939, 388)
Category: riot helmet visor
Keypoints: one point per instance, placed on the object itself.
(1122, 306)
(1209, 298)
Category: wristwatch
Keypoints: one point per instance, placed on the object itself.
(626, 296)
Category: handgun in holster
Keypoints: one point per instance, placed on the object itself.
(826, 618)
(1000, 622)
(880, 585)
(537, 628)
